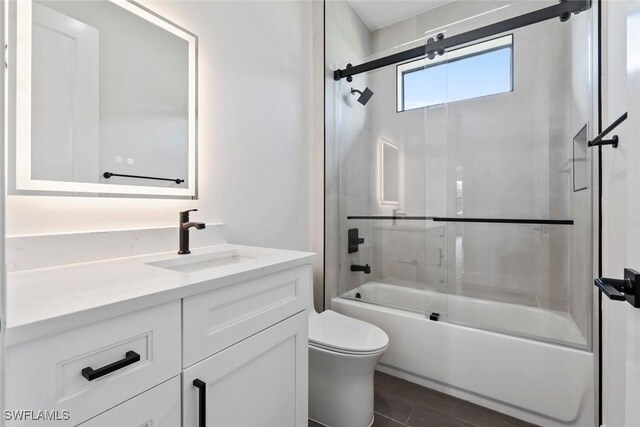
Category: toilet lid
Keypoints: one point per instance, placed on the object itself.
(332, 330)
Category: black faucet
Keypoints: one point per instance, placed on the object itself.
(185, 225)
(365, 268)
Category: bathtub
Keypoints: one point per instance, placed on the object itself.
(541, 382)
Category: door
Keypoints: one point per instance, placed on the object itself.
(261, 381)
(621, 211)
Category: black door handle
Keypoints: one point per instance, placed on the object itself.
(621, 289)
(611, 288)
(91, 374)
(202, 402)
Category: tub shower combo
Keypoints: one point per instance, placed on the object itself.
(464, 205)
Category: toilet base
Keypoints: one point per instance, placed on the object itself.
(341, 387)
(318, 422)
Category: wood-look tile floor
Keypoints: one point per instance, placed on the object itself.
(399, 403)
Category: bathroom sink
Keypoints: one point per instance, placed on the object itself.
(194, 263)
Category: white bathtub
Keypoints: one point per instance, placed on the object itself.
(519, 320)
(543, 383)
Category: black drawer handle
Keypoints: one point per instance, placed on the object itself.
(91, 374)
(202, 404)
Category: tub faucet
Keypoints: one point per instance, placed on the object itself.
(185, 225)
(364, 268)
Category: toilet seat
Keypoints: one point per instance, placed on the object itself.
(335, 332)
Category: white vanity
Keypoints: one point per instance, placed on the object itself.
(215, 338)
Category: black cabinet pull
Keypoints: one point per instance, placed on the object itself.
(202, 402)
(91, 374)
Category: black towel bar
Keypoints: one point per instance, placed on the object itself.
(598, 141)
(460, 219)
(110, 174)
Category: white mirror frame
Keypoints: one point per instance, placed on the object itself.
(383, 143)
(23, 181)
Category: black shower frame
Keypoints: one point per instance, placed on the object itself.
(600, 190)
(562, 10)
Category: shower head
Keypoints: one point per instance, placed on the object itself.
(365, 95)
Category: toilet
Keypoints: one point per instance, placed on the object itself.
(343, 354)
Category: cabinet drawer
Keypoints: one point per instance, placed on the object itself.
(158, 407)
(88, 370)
(218, 319)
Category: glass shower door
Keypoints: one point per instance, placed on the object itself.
(517, 225)
(383, 196)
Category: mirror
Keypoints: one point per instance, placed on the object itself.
(389, 173)
(105, 100)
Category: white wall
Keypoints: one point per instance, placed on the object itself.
(318, 153)
(620, 321)
(3, 281)
(254, 158)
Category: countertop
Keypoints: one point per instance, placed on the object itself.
(50, 300)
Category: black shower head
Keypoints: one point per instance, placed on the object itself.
(365, 95)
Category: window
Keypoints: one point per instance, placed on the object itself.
(481, 69)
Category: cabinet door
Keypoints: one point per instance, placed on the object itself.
(158, 407)
(261, 381)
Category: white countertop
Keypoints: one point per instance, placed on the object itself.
(44, 301)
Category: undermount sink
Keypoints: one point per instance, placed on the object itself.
(194, 263)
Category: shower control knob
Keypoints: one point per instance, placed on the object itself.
(354, 240)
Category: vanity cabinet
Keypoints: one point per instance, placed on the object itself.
(242, 343)
(261, 381)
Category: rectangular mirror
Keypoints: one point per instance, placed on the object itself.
(389, 173)
(105, 100)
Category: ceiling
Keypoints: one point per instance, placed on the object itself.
(380, 13)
